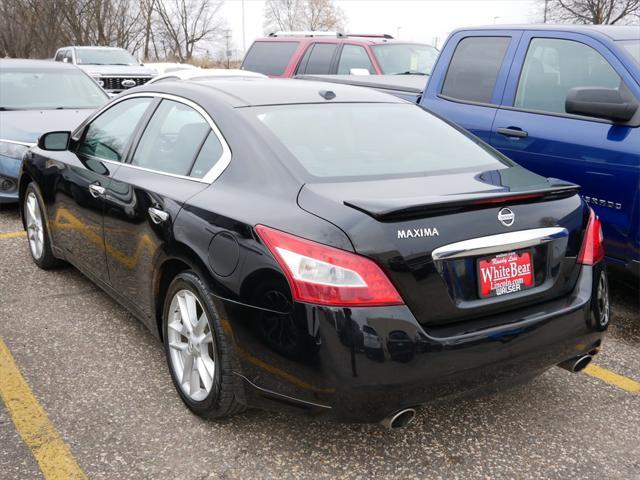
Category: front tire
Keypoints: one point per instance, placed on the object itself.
(37, 232)
(200, 357)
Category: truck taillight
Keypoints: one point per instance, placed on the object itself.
(592, 250)
(326, 275)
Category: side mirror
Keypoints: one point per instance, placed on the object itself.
(54, 141)
(359, 71)
(609, 103)
(65, 60)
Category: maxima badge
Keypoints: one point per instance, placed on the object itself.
(506, 217)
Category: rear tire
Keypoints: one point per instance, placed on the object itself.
(200, 357)
(37, 232)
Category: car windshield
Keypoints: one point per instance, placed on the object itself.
(48, 89)
(633, 47)
(409, 58)
(104, 56)
(346, 140)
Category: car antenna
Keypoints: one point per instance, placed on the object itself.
(327, 94)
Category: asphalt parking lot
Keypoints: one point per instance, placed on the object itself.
(101, 404)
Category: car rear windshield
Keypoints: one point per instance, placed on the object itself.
(99, 56)
(633, 47)
(334, 141)
(269, 58)
(50, 89)
(398, 59)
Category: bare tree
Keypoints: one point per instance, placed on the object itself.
(283, 15)
(302, 15)
(323, 15)
(187, 22)
(609, 12)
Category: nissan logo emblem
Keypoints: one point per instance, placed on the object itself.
(128, 83)
(506, 217)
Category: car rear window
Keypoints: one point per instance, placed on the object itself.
(346, 140)
(269, 58)
(474, 68)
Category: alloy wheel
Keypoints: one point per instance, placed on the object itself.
(35, 231)
(191, 345)
(602, 299)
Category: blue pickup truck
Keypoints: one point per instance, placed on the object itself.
(562, 101)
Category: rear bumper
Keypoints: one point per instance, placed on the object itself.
(369, 362)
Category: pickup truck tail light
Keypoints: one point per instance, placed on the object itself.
(326, 275)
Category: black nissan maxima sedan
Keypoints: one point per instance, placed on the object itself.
(318, 248)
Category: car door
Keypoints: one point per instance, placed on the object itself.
(533, 128)
(83, 174)
(468, 80)
(178, 154)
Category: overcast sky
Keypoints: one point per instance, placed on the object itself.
(419, 20)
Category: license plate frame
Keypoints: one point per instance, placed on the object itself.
(504, 274)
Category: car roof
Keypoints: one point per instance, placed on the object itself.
(248, 92)
(40, 64)
(331, 39)
(92, 47)
(614, 32)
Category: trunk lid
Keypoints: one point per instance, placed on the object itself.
(413, 227)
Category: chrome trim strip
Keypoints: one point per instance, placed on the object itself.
(220, 166)
(499, 243)
(15, 142)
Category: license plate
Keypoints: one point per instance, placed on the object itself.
(505, 273)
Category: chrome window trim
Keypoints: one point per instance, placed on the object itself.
(15, 142)
(220, 166)
(499, 243)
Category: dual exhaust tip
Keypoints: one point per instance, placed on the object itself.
(404, 418)
(400, 419)
(577, 364)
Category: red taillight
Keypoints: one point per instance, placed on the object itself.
(326, 275)
(592, 250)
(508, 199)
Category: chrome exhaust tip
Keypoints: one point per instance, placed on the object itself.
(576, 364)
(400, 419)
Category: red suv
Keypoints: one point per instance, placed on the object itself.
(285, 54)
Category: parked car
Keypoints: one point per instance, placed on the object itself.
(205, 74)
(114, 69)
(561, 101)
(285, 54)
(167, 67)
(318, 248)
(37, 96)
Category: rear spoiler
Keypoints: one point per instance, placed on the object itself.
(407, 208)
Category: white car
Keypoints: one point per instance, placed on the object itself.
(206, 73)
(168, 67)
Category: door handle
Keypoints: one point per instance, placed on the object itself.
(158, 216)
(512, 132)
(96, 190)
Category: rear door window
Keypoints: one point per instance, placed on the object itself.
(319, 60)
(354, 56)
(269, 58)
(178, 140)
(474, 68)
